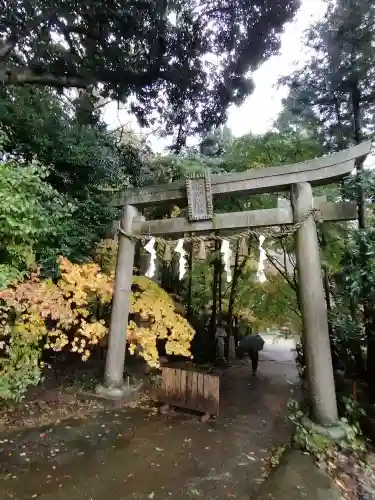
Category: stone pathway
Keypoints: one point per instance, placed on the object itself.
(298, 478)
(136, 454)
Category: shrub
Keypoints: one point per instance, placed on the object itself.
(72, 314)
(30, 211)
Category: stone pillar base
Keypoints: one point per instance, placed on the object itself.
(118, 393)
(337, 432)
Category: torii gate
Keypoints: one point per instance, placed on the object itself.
(198, 193)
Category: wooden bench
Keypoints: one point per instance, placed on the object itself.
(190, 390)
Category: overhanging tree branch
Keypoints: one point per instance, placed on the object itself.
(23, 76)
(276, 264)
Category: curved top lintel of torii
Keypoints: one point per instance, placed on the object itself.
(318, 171)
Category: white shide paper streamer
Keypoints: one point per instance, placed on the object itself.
(150, 248)
(227, 254)
(262, 257)
(182, 260)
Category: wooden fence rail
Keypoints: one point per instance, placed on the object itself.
(190, 390)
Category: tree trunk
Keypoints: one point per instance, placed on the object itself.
(85, 107)
(232, 292)
(190, 283)
(360, 366)
(220, 286)
(370, 331)
(231, 340)
(238, 268)
(357, 135)
(214, 300)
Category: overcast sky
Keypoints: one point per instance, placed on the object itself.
(259, 111)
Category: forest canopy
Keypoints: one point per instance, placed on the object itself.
(184, 61)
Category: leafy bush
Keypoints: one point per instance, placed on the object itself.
(30, 210)
(154, 317)
(72, 314)
(20, 361)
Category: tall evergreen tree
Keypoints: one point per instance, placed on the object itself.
(335, 91)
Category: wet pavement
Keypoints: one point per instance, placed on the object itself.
(136, 454)
(298, 478)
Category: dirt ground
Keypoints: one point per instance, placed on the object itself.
(136, 454)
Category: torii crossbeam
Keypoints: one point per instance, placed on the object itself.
(198, 194)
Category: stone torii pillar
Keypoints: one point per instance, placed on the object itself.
(314, 311)
(114, 386)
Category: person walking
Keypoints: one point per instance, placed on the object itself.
(252, 344)
(254, 357)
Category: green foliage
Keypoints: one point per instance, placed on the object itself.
(81, 161)
(320, 446)
(202, 287)
(273, 303)
(358, 265)
(31, 212)
(172, 167)
(344, 324)
(355, 276)
(332, 96)
(39, 123)
(269, 150)
(363, 182)
(169, 168)
(49, 210)
(303, 438)
(333, 237)
(352, 412)
(20, 367)
(185, 61)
